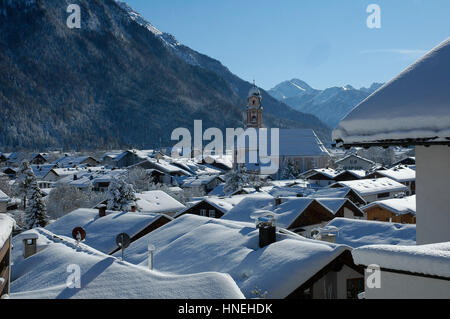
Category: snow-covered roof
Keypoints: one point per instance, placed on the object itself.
(4, 197)
(222, 204)
(69, 161)
(44, 276)
(399, 206)
(249, 205)
(358, 173)
(40, 171)
(157, 202)
(224, 159)
(225, 204)
(357, 232)
(6, 226)
(399, 173)
(198, 181)
(101, 232)
(413, 106)
(355, 156)
(292, 142)
(432, 259)
(334, 204)
(339, 192)
(291, 208)
(218, 190)
(288, 183)
(277, 191)
(286, 212)
(328, 172)
(192, 244)
(112, 154)
(367, 187)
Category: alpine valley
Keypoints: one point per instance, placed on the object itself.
(115, 82)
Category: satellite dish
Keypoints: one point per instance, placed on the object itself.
(78, 233)
(123, 240)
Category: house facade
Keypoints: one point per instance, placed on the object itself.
(6, 228)
(354, 162)
(398, 210)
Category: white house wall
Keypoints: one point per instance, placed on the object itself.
(404, 286)
(432, 194)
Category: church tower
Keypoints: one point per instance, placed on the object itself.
(254, 108)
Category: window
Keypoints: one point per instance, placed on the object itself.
(354, 287)
(212, 213)
(203, 212)
(383, 195)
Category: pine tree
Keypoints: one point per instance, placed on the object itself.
(235, 179)
(25, 181)
(36, 212)
(121, 195)
(289, 170)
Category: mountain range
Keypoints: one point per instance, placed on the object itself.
(116, 82)
(329, 105)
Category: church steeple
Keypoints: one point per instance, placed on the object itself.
(254, 108)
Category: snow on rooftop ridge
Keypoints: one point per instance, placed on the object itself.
(432, 259)
(157, 201)
(372, 186)
(192, 244)
(399, 173)
(102, 231)
(401, 206)
(4, 197)
(414, 105)
(44, 275)
(357, 232)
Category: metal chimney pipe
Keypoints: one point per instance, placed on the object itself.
(151, 249)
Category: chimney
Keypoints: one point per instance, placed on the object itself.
(299, 195)
(75, 177)
(29, 244)
(277, 201)
(267, 230)
(133, 208)
(101, 210)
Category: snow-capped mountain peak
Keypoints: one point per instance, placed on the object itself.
(329, 105)
(138, 18)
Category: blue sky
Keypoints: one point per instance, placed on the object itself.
(323, 42)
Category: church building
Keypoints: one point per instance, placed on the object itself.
(300, 147)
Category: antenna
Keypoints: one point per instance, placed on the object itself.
(123, 241)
